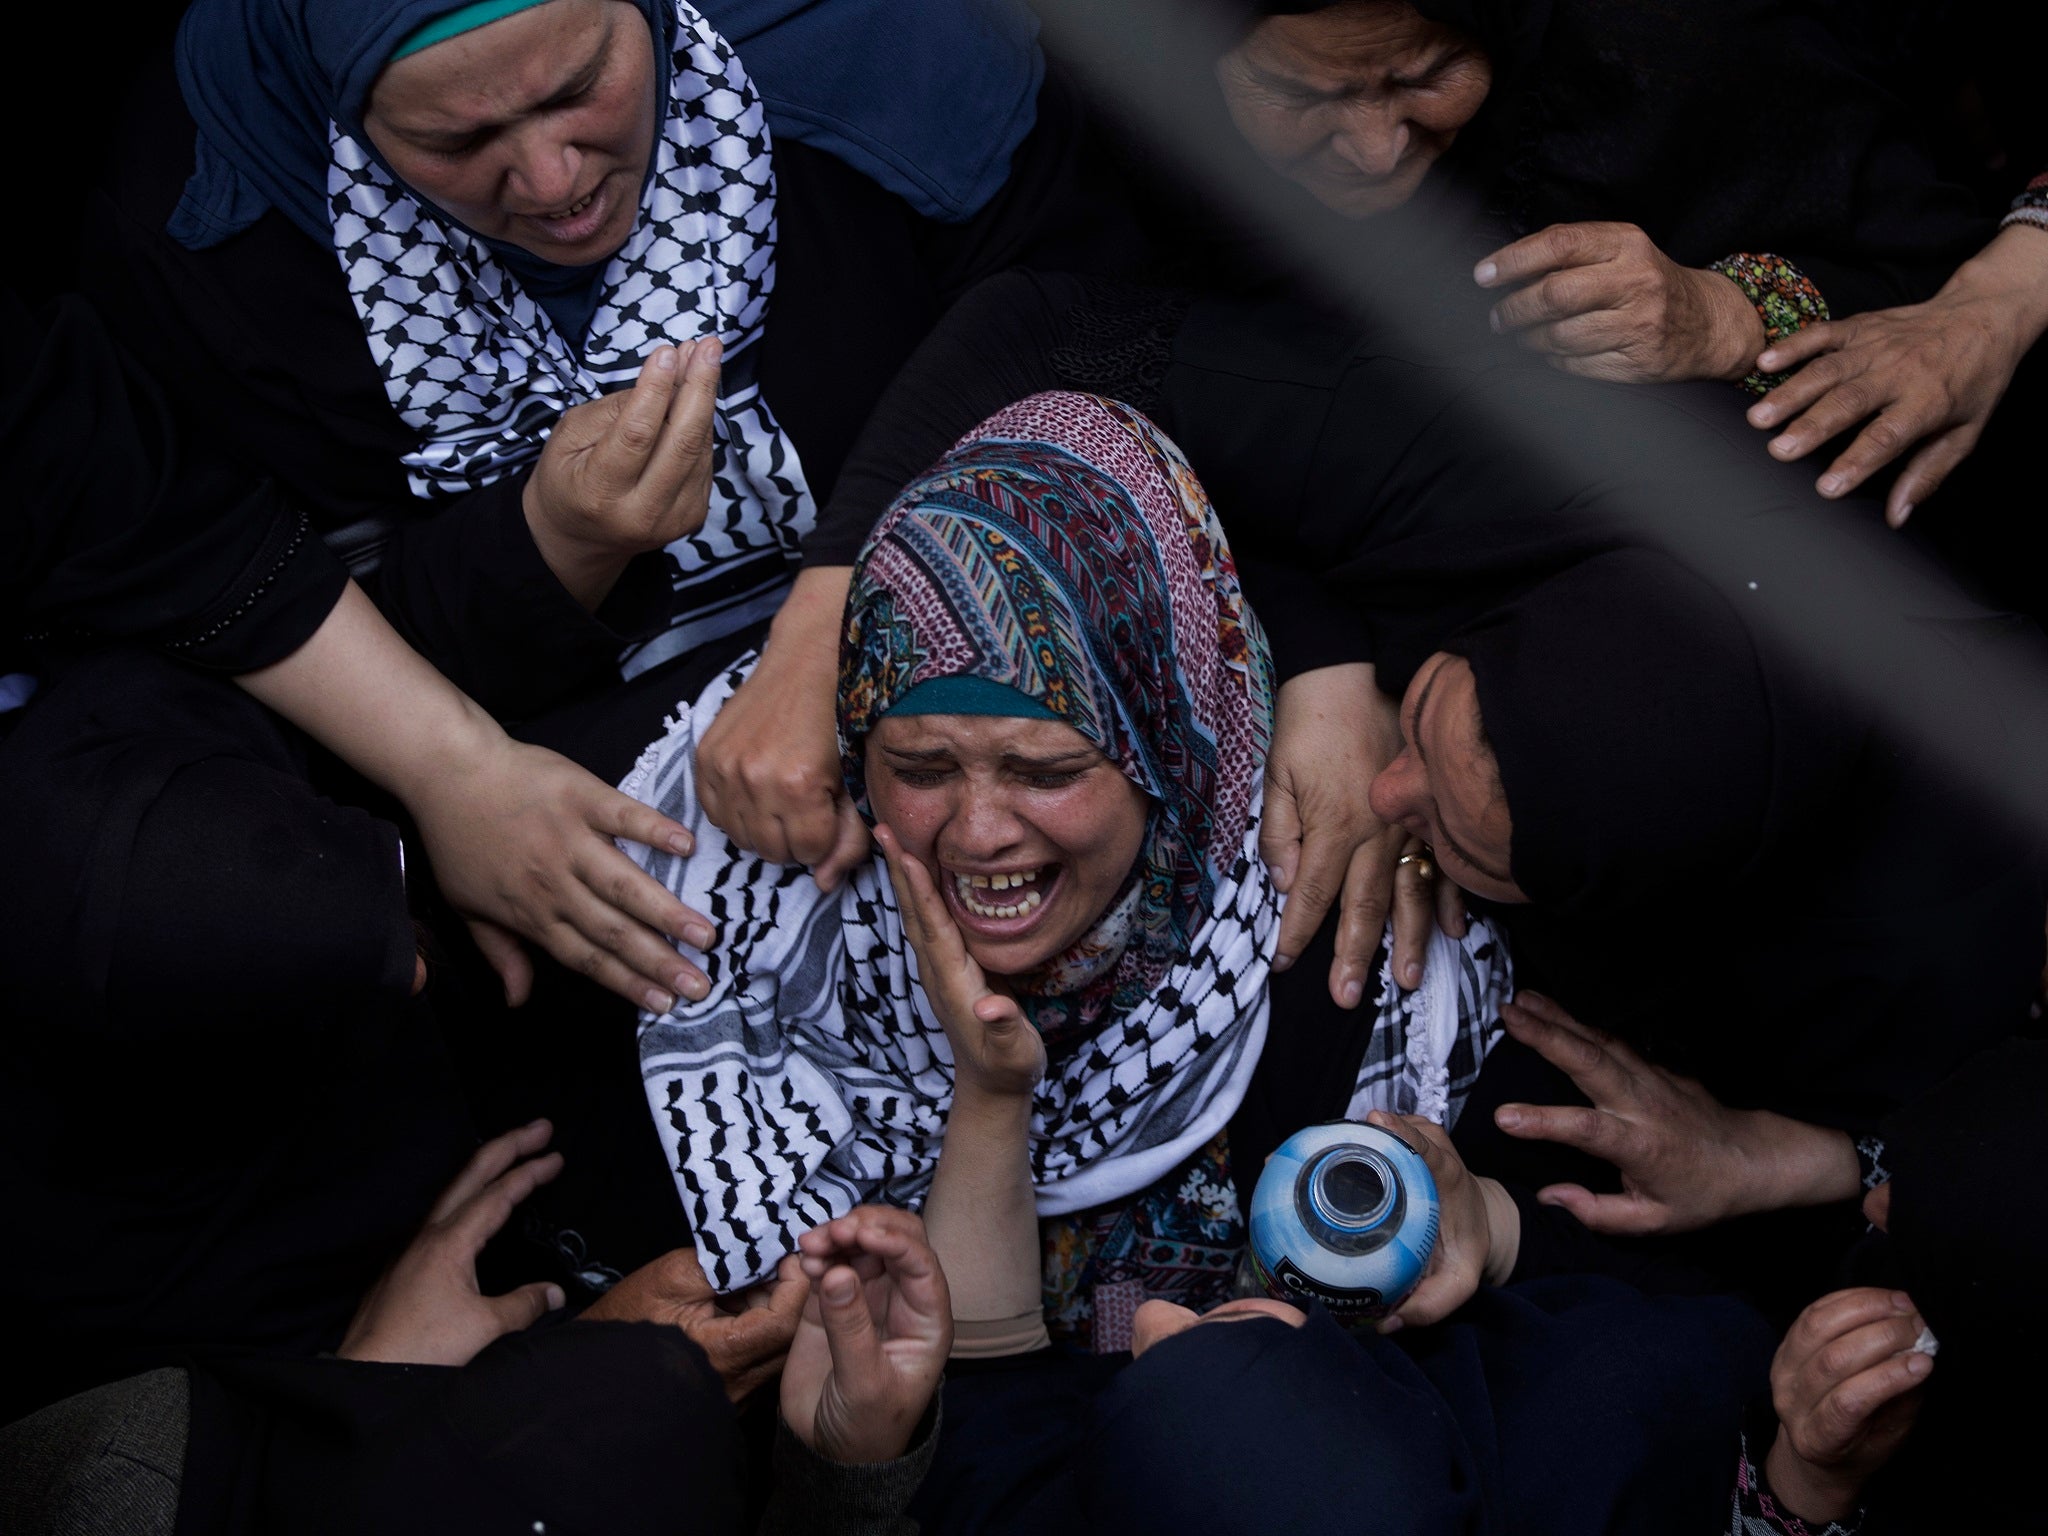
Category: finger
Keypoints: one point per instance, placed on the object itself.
(936, 936)
(487, 1162)
(1898, 426)
(1847, 401)
(1280, 835)
(1443, 1290)
(1560, 296)
(1622, 1215)
(623, 817)
(1560, 245)
(684, 446)
(1925, 471)
(1846, 1408)
(506, 956)
(1414, 916)
(1859, 1349)
(1800, 391)
(850, 845)
(1803, 345)
(1451, 915)
(624, 451)
(577, 953)
(1319, 872)
(521, 1309)
(1589, 1062)
(626, 893)
(1569, 1125)
(1842, 1312)
(483, 1216)
(849, 1326)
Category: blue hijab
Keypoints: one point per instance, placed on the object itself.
(264, 78)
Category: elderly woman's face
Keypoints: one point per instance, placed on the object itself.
(1445, 784)
(1028, 830)
(1355, 101)
(535, 129)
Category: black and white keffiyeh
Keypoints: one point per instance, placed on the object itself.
(813, 1076)
(480, 370)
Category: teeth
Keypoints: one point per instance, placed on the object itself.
(574, 209)
(969, 885)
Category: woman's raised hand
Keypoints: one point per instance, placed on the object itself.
(1479, 1236)
(873, 1339)
(1845, 1384)
(768, 768)
(1686, 1160)
(427, 1309)
(1333, 730)
(627, 473)
(1923, 377)
(1605, 303)
(996, 1052)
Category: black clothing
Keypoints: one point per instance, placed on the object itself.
(263, 345)
(117, 530)
(1561, 1404)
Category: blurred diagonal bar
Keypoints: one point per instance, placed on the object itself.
(1826, 581)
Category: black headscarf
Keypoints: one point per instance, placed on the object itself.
(1638, 739)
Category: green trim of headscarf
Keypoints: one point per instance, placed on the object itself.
(968, 695)
(465, 18)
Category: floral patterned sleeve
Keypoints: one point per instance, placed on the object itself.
(1786, 299)
(2031, 206)
(1753, 1512)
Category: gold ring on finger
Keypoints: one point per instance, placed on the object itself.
(1424, 869)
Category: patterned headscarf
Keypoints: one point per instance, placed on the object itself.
(1064, 549)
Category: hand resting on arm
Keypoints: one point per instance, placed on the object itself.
(1922, 378)
(520, 838)
(1333, 729)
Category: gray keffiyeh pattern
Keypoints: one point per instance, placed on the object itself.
(481, 372)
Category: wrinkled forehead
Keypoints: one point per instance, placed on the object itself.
(984, 738)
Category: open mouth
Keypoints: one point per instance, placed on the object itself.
(1006, 895)
(572, 210)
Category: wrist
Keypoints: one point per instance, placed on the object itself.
(1782, 300)
(1735, 332)
(2012, 271)
(1792, 1163)
(1798, 1487)
(587, 572)
(1503, 1232)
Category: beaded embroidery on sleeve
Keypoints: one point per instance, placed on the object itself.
(1785, 298)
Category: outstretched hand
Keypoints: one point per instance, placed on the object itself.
(1686, 1160)
(996, 1052)
(746, 1335)
(1845, 1384)
(1602, 301)
(626, 473)
(427, 1309)
(1333, 730)
(1922, 378)
(522, 844)
(873, 1339)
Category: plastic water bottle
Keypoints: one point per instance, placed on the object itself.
(1344, 1214)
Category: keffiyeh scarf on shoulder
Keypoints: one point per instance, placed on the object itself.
(1063, 549)
(469, 359)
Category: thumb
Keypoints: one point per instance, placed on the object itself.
(849, 1328)
(849, 846)
(521, 1309)
(506, 956)
(1280, 832)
